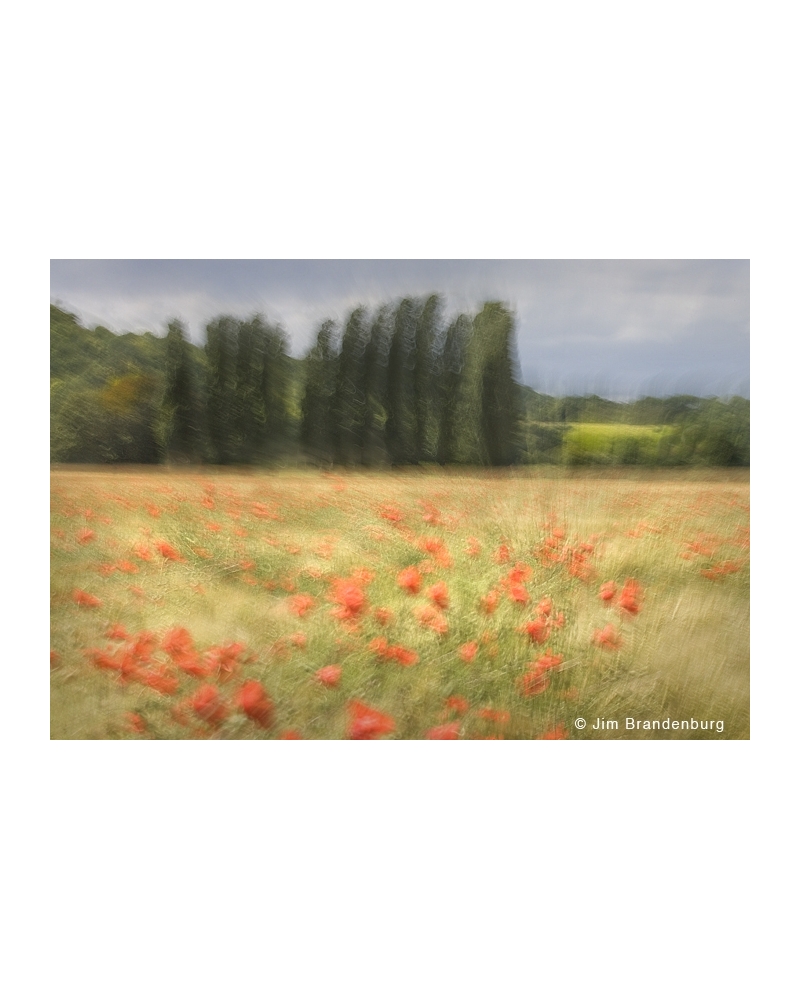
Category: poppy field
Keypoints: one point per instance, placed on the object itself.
(221, 604)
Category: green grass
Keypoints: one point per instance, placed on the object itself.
(684, 655)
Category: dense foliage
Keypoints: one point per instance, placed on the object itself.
(399, 386)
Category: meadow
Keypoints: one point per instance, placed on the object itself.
(428, 604)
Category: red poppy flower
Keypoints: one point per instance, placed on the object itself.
(85, 535)
(55, 659)
(538, 630)
(608, 591)
(558, 733)
(432, 618)
(519, 594)
(549, 661)
(85, 600)
(409, 579)
(301, 604)
(157, 680)
(457, 704)
(134, 723)
(607, 638)
(329, 676)
(253, 700)
(168, 552)
(290, 734)
(438, 594)
(449, 731)
(141, 551)
(177, 642)
(544, 607)
(503, 554)
(383, 615)
(405, 657)
(495, 715)
(379, 646)
(534, 682)
(366, 723)
(298, 639)
(631, 596)
(126, 566)
(390, 513)
(473, 547)
(468, 651)
(489, 602)
(207, 705)
(116, 631)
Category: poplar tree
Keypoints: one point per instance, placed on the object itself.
(221, 346)
(180, 409)
(320, 368)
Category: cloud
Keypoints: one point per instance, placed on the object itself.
(581, 323)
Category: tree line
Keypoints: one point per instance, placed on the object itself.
(399, 385)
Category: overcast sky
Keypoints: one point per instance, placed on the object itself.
(618, 328)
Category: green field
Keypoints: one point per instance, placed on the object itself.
(204, 603)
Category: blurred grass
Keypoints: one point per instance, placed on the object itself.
(686, 654)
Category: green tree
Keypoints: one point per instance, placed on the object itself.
(180, 404)
(320, 368)
(449, 375)
(400, 386)
(221, 357)
(347, 410)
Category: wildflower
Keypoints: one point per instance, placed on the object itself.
(534, 682)
(85, 600)
(301, 604)
(538, 630)
(432, 618)
(329, 676)
(438, 594)
(55, 659)
(134, 723)
(365, 723)
(379, 647)
(125, 566)
(255, 703)
(224, 659)
(449, 731)
(116, 631)
(545, 607)
(158, 680)
(207, 705)
(168, 552)
(409, 579)
(382, 615)
(503, 554)
(350, 598)
(558, 733)
(390, 513)
(405, 657)
(457, 704)
(468, 651)
(607, 591)
(298, 639)
(608, 638)
(630, 597)
(495, 715)
(290, 734)
(473, 547)
(489, 602)
(85, 535)
(518, 594)
(549, 661)
(142, 551)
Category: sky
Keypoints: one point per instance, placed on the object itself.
(618, 328)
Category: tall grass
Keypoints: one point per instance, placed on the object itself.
(250, 542)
